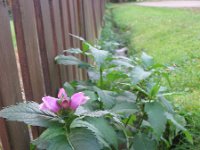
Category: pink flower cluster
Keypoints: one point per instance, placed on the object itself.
(63, 101)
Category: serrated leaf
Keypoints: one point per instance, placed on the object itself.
(106, 130)
(69, 89)
(179, 122)
(49, 135)
(99, 55)
(166, 104)
(60, 143)
(138, 74)
(124, 107)
(30, 114)
(83, 139)
(73, 51)
(115, 75)
(174, 121)
(156, 117)
(93, 74)
(106, 97)
(122, 63)
(84, 124)
(143, 142)
(98, 113)
(147, 60)
(67, 60)
(92, 95)
(126, 96)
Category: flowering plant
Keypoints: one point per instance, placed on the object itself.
(120, 106)
(63, 102)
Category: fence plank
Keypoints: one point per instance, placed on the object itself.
(65, 33)
(82, 33)
(78, 32)
(97, 15)
(74, 29)
(46, 32)
(42, 46)
(4, 135)
(89, 21)
(10, 92)
(56, 21)
(28, 49)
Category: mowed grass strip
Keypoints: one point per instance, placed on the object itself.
(172, 37)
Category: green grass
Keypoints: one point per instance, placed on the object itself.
(172, 37)
(13, 34)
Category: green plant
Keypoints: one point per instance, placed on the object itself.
(132, 88)
(127, 108)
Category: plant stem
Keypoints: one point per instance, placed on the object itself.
(101, 77)
(127, 121)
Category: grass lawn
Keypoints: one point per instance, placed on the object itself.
(171, 36)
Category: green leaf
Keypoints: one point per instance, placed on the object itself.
(32, 147)
(188, 136)
(166, 104)
(156, 117)
(122, 63)
(179, 122)
(73, 51)
(83, 139)
(143, 142)
(30, 114)
(147, 60)
(93, 74)
(130, 120)
(126, 96)
(106, 97)
(115, 75)
(174, 121)
(154, 90)
(106, 130)
(101, 129)
(100, 56)
(92, 95)
(98, 113)
(69, 89)
(60, 143)
(124, 107)
(85, 47)
(67, 60)
(49, 139)
(56, 138)
(138, 74)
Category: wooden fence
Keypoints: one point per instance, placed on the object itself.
(41, 28)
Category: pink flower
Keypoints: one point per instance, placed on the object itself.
(65, 104)
(50, 103)
(77, 100)
(62, 94)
